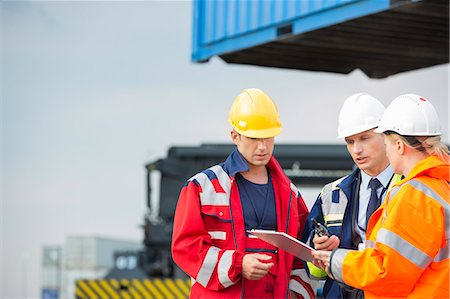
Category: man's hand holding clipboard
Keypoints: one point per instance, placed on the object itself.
(285, 242)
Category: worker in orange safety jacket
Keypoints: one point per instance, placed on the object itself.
(217, 207)
(407, 251)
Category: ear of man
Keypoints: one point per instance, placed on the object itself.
(400, 146)
(234, 136)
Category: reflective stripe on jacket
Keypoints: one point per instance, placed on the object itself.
(408, 240)
(209, 239)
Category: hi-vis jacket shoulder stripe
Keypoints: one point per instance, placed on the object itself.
(444, 251)
(215, 185)
(390, 239)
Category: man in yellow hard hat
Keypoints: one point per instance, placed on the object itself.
(247, 191)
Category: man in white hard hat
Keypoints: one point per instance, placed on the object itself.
(345, 205)
(247, 191)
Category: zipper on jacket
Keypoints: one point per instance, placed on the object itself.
(231, 214)
(289, 212)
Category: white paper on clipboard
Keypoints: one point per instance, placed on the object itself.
(285, 242)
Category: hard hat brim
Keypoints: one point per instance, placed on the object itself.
(359, 130)
(380, 130)
(266, 133)
(383, 129)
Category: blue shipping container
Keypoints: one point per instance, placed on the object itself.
(231, 25)
(380, 37)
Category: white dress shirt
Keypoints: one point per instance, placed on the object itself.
(364, 196)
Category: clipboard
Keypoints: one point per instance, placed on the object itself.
(285, 242)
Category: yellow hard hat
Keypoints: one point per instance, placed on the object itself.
(254, 114)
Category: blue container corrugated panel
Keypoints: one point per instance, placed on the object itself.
(224, 26)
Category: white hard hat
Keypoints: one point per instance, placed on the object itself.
(410, 115)
(360, 112)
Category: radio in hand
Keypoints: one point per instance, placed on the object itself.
(320, 229)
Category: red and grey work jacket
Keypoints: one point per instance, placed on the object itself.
(209, 239)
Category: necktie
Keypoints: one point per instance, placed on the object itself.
(374, 201)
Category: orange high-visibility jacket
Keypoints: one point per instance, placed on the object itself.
(407, 254)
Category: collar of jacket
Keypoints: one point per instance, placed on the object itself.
(346, 185)
(236, 163)
(431, 166)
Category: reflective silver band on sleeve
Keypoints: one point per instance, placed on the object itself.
(337, 259)
(218, 235)
(224, 267)
(370, 244)
(207, 269)
(300, 273)
(443, 254)
(404, 248)
(298, 288)
(333, 219)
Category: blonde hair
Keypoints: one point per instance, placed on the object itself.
(431, 145)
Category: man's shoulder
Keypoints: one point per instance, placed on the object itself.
(215, 171)
(334, 185)
(340, 182)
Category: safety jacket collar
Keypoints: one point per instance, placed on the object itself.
(431, 166)
(236, 163)
(347, 184)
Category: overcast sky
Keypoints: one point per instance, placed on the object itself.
(92, 91)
